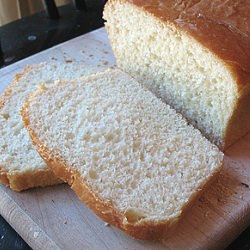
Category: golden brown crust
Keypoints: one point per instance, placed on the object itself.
(221, 26)
(3, 177)
(19, 181)
(149, 230)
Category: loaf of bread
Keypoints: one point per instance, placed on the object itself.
(195, 55)
(21, 167)
(127, 155)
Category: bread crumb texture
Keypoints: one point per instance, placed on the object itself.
(128, 146)
(18, 156)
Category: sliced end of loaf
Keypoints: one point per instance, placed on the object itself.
(179, 69)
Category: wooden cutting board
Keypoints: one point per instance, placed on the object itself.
(54, 218)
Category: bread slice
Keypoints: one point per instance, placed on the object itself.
(127, 155)
(195, 55)
(21, 167)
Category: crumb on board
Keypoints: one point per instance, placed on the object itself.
(206, 214)
(106, 224)
(36, 233)
(68, 61)
(244, 184)
(65, 222)
(53, 58)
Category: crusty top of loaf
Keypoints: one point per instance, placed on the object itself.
(221, 26)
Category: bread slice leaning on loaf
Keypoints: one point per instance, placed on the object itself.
(195, 55)
(127, 155)
(21, 167)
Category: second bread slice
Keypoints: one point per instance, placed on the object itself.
(21, 167)
(129, 157)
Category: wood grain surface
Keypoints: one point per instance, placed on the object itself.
(54, 218)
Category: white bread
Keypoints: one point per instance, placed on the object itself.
(21, 167)
(127, 155)
(195, 55)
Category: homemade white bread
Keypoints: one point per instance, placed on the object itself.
(21, 167)
(195, 55)
(127, 155)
